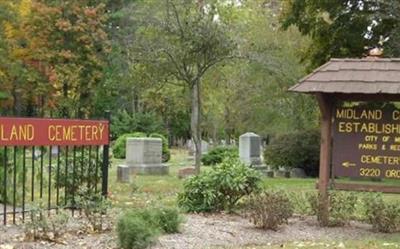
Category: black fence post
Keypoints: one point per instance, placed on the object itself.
(106, 159)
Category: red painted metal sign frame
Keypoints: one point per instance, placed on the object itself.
(46, 132)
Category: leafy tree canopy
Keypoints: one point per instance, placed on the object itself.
(346, 28)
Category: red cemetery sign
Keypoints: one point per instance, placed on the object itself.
(42, 132)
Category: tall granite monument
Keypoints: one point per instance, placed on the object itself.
(250, 148)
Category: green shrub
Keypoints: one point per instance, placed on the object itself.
(342, 207)
(313, 201)
(168, 219)
(1, 156)
(138, 228)
(134, 231)
(44, 227)
(119, 147)
(383, 216)
(94, 206)
(295, 150)
(269, 209)
(219, 188)
(10, 175)
(166, 154)
(300, 203)
(218, 154)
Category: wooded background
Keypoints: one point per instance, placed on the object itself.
(161, 65)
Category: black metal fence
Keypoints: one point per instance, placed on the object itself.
(49, 175)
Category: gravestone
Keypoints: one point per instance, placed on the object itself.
(37, 154)
(144, 156)
(54, 150)
(250, 149)
(192, 147)
(204, 147)
(123, 173)
(282, 173)
(298, 173)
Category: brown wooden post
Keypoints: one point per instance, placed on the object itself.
(325, 104)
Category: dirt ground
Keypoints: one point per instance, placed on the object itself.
(203, 231)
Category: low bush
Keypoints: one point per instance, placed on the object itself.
(44, 227)
(119, 148)
(300, 203)
(134, 231)
(295, 150)
(218, 154)
(138, 228)
(168, 219)
(94, 207)
(382, 215)
(269, 209)
(219, 188)
(342, 207)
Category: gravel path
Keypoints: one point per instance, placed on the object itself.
(203, 231)
(229, 230)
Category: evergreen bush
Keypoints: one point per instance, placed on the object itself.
(218, 154)
(295, 150)
(219, 188)
(138, 228)
(124, 122)
(134, 231)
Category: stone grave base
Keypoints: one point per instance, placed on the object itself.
(149, 169)
(297, 173)
(264, 170)
(282, 173)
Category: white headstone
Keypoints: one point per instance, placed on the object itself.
(54, 150)
(204, 147)
(192, 147)
(144, 155)
(38, 153)
(123, 173)
(250, 148)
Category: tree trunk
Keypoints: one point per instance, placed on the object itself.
(227, 125)
(65, 109)
(195, 123)
(17, 102)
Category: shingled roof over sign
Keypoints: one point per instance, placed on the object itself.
(364, 76)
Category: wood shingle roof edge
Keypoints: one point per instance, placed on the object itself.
(365, 79)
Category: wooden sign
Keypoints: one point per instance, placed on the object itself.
(44, 132)
(366, 142)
